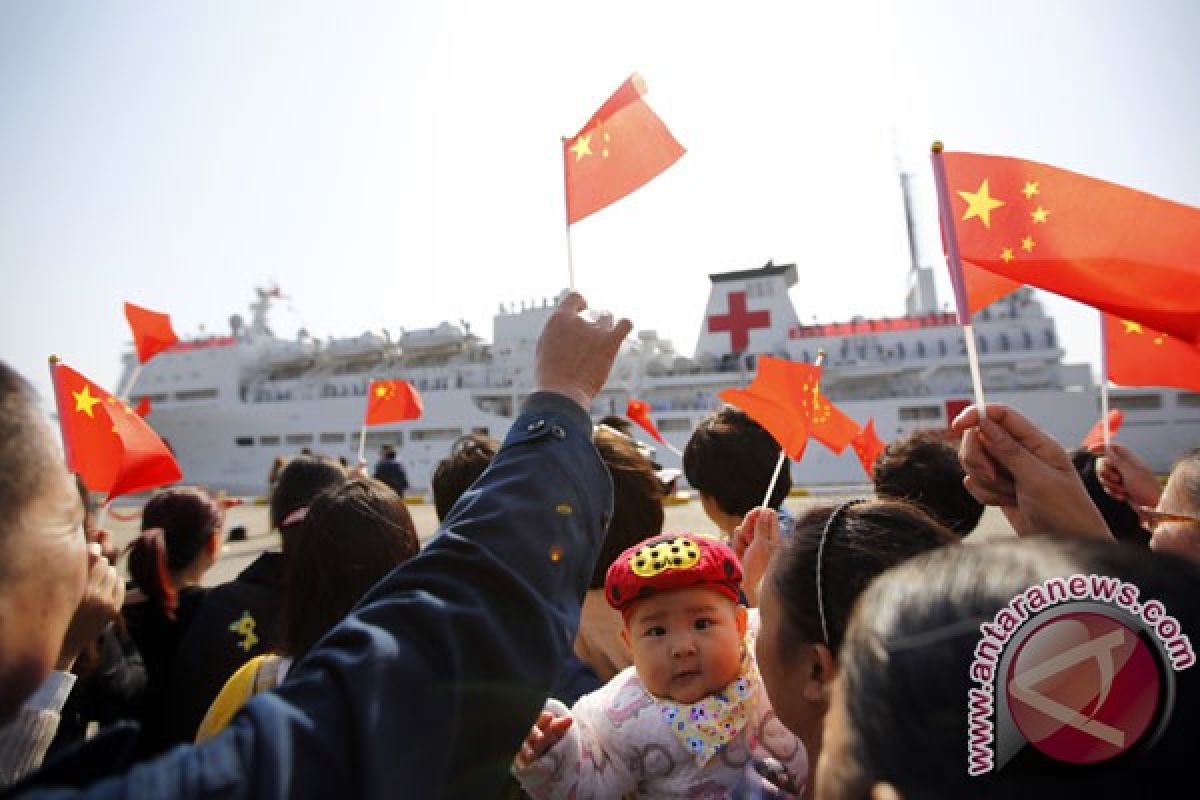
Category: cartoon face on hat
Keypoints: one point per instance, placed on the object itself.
(669, 562)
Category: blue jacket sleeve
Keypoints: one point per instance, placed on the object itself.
(429, 686)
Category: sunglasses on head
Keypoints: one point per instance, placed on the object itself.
(1151, 518)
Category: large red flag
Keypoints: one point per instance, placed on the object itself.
(152, 331)
(781, 399)
(1095, 437)
(831, 426)
(639, 412)
(392, 401)
(1139, 356)
(868, 447)
(623, 146)
(107, 443)
(1120, 250)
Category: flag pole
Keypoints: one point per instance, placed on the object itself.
(129, 384)
(783, 453)
(1104, 381)
(567, 218)
(956, 271)
(362, 445)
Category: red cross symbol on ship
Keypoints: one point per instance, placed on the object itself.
(738, 322)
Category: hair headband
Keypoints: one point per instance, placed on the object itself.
(296, 515)
(829, 523)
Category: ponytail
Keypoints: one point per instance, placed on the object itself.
(148, 568)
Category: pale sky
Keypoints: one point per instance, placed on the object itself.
(396, 164)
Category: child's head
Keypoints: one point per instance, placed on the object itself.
(678, 594)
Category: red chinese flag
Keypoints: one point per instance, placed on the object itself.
(868, 447)
(623, 146)
(1117, 249)
(143, 408)
(781, 399)
(1139, 356)
(639, 412)
(107, 443)
(152, 331)
(392, 401)
(1095, 437)
(831, 426)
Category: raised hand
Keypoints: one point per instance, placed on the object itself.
(575, 352)
(754, 542)
(545, 733)
(100, 605)
(1013, 464)
(1125, 476)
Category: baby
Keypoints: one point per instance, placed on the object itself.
(690, 715)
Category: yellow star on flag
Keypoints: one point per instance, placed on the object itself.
(1031, 188)
(1040, 214)
(381, 391)
(1131, 327)
(1158, 340)
(980, 204)
(582, 146)
(1027, 244)
(84, 401)
(1007, 255)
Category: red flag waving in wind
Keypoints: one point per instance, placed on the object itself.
(639, 412)
(781, 398)
(1114, 248)
(1095, 437)
(831, 426)
(868, 447)
(623, 146)
(392, 401)
(106, 442)
(152, 331)
(1139, 356)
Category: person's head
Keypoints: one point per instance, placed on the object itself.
(388, 452)
(809, 588)
(456, 473)
(899, 710)
(683, 624)
(924, 469)
(43, 555)
(301, 479)
(1121, 518)
(181, 534)
(352, 536)
(637, 499)
(730, 460)
(1175, 528)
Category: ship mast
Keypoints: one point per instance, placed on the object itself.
(921, 296)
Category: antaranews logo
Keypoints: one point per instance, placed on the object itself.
(1076, 667)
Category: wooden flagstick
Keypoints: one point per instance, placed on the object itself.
(783, 453)
(362, 445)
(567, 217)
(1104, 382)
(134, 374)
(956, 272)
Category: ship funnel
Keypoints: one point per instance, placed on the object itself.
(748, 311)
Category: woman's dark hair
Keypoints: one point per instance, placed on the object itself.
(865, 539)
(300, 480)
(352, 536)
(177, 524)
(731, 458)
(905, 672)
(923, 468)
(637, 499)
(457, 472)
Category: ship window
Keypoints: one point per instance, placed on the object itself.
(300, 438)
(245, 441)
(1189, 399)
(436, 435)
(919, 412)
(941, 347)
(154, 399)
(920, 349)
(332, 438)
(377, 439)
(1136, 402)
(196, 394)
(269, 441)
(680, 425)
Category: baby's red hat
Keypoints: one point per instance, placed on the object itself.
(669, 562)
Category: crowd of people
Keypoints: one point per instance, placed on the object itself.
(552, 640)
